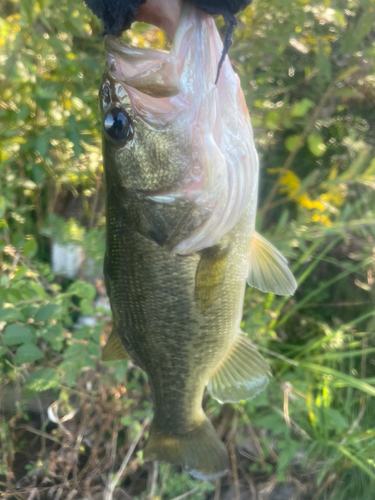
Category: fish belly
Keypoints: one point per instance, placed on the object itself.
(158, 319)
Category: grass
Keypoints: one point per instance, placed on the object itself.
(74, 427)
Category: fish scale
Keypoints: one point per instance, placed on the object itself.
(160, 324)
(181, 176)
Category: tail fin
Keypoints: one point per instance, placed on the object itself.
(199, 451)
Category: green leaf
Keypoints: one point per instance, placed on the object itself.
(23, 112)
(272, 120)
(4, 281)
(46, 313)
(13, 295)
(83, 290)
(292, 142)
(41, 145)
(43, 380)
(28, 353)
(38, 174)
(255, 121)
(316, 145)
(300, 108)
(17, 334)
(10, 314)
(71, 374)
(54, 336)
(77, 148)
(287, 454)
(30, 248)
(18, 239)
(75, 351)
(127, 421)
(274, 422)
(4, 228)
(83, 333)
(120, 370)
(93, 349)
(2, 206)
(20, 273)
(38, 289)
(336, 419)
(86, 307)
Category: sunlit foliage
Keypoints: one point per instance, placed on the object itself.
(308, 72)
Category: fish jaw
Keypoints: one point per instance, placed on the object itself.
(219, 173)
(151, 72)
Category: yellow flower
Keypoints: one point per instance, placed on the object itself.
(318, 205)
(323, 219)
(335, 197)
(13, 17)
(304, 201)
(313, 418)
(291, 182)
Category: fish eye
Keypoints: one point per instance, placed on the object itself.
(118, 125)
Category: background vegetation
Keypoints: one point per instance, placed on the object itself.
(68, 420)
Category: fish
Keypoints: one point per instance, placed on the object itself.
(181, 176)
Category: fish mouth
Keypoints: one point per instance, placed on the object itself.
(152, 72)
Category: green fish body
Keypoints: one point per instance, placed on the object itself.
(181, 240)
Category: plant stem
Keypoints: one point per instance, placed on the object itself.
(112, 485)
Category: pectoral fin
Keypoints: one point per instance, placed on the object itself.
(114, 350)
(241, 375)
(210, 275)
(268, 269)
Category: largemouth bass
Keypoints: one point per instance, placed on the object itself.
(181, 181)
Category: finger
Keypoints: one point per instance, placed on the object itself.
(164, 14)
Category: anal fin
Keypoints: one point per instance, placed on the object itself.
(114, 349)
(268, 268)
(241, 375)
